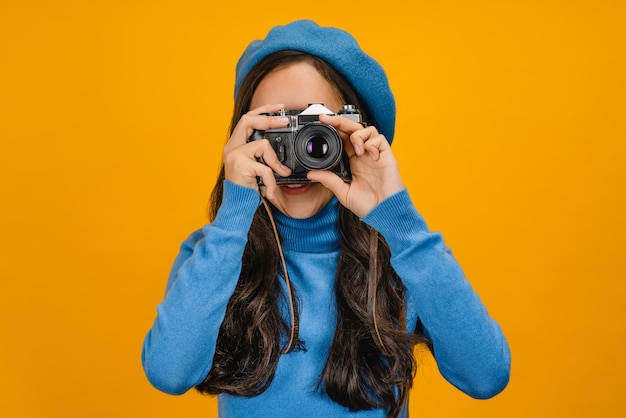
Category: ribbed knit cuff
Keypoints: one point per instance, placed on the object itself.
(397, 220)
(239, 204)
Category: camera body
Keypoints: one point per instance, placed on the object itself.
(307, 144)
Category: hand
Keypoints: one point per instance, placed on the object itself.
(375, 173)
(241, 164)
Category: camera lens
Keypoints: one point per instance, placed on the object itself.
(318, 146)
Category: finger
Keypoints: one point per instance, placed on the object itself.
(268, 189)
(268, 108)
(263, 150)
(370, 135)
(332, 182)
(242, 164)
(357, 134)
(250, 123)
(345, 128)
(252, 152)
(373, 146)
(341, 123)
(257, 120)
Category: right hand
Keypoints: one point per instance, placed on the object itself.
(241, 158)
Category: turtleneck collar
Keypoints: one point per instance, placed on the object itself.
(317, 234)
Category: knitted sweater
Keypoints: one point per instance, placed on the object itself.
(468, 345)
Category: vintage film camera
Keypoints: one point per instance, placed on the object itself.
(307, 144)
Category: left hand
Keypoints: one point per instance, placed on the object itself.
(375, 173)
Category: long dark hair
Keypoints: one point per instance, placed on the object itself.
(370, 363)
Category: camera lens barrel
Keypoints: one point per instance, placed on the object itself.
(318, 146)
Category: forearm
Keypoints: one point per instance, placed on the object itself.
(469, 346)
(178, 349)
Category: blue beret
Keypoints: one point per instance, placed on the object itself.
(339, 49)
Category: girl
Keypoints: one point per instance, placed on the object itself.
(308, 298)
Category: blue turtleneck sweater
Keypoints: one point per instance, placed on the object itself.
(468, 345)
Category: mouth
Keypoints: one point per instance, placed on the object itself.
(295, 188)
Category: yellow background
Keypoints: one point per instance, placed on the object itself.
(511, 138)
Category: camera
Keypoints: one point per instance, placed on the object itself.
(307, 144)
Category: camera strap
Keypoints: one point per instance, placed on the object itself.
(372, 282)
(292, 332)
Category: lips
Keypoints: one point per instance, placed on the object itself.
(295, 188)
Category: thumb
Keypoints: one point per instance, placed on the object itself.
(332, 182)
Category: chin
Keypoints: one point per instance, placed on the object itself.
(301, 201)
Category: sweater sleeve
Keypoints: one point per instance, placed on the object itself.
(468, 345)
(178, 350)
